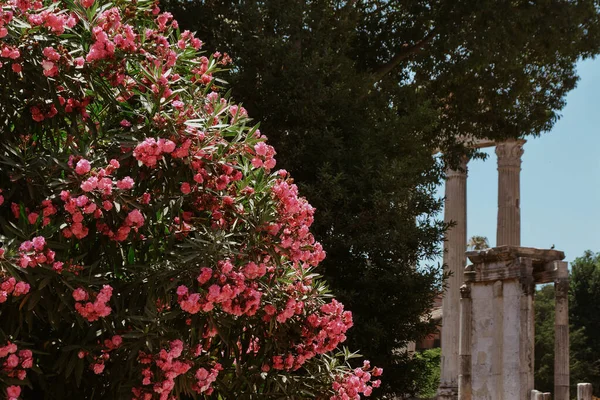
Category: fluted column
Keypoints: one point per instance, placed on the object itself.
(466, 314)
(455, 260)
(509, 192)
(561, 332)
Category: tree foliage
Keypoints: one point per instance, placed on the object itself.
(356, 95)
(148, 247)
(585, 312)
(580, 369)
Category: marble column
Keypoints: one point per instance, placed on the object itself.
(466, 311)
(584, 391)
(509, 193)
(455, 260)
(561, 332)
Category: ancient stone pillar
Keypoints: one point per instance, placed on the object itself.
(584, 391)
(561, 332)
(509, 182)
(455, 246)
(464, 376)
(502, 284)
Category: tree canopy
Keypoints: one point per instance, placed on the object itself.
(356, 95)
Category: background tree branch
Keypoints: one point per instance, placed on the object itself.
(407, 51)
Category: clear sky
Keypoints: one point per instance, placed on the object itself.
(560, 178)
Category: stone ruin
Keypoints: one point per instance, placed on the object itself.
(488, 308)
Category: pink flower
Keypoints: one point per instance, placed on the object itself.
(205, 275)
(39, 242)
(125, 183)
(261, 149)
(87, 3)
(90, 184)
(135, 218)
(80, 294)
(32, 218)
(82, 167)
(21, 288)
(117, 340)
(51, 54)
(185, 188)
(13, 392)
(98, 368)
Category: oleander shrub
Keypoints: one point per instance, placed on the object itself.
(150, 249)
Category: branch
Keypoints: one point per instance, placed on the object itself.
(406, 52)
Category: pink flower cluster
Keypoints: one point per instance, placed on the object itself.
(264, 156)
(234, 291)
(56, 22)
(295, 219)
(99, 361)
(34, 252)
(48, 210)
(5, 18)
(101, 184)
(205, 378)
(42, 112)
(350, 386)
(11, 287)
(188, 37)
(323, 332)
(49, 64)
(77, 207)
(73, 105)
(13, 392)
(14, 361)
(168, 367)
(109, 27)
(97, 309)
(151, 150)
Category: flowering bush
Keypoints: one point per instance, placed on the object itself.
(149, 248)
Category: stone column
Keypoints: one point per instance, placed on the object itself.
(561, 332)
(464, 377)
(584, 391)
(455, 246)
(509, 195)
(502, 282)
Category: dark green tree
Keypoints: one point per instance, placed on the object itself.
(585, 312)
(356, 95)
(581, 369)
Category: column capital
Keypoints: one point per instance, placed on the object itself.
(462, 170)
(510, 152)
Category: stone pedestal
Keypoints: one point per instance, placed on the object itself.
(497, 338)
(509, 192)
(455, 246)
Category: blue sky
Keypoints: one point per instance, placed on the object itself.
(560, 178)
